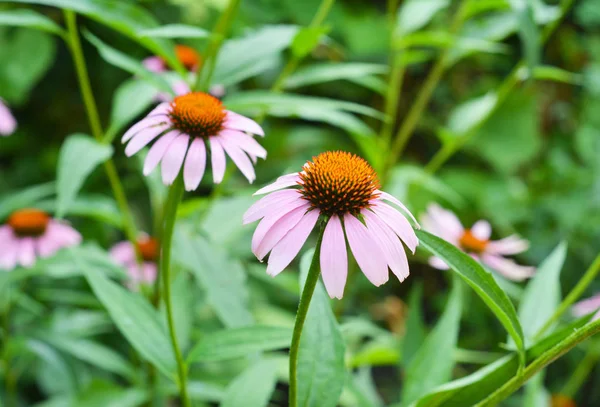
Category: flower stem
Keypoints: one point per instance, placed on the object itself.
(307, 293)
(170, 214)
(74, 45)
(218, 36)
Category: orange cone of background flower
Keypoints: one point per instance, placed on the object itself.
(123, 253)
(343, 189)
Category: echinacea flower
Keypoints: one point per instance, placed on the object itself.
(8, 124)
(343, 189)
(476, 242)
(31, 233)
(188, 56)
(588, 306)
(123, 253)
(184, 128)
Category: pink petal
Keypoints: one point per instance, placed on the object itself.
(438, 263)
(149, 272)
(195, 164)
(9, 252)
(366, 251)
(46, 246)
(398, 223)
(509, 245)
(268, 203)
(282, 182)
(586, 306)
(239, 158)
(8, 124)
(148, 121)
(181, 88)
(123, 253)
(154, 64)
(245, 142)
(334, 258)
(389, 244)
(389, 197)
(236, 121)
(482, 230)
(278, 231)
(442, 223)
(508, 268)
(217, 159)
(141, 139)
(158, 150)
(288, 247)
(173, 159)
(268, 221)
(26, 257)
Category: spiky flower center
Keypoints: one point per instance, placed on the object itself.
(471, 243)
(149, 249)
(188, 56)
(28, 222)
(197, 114)
(338, 182)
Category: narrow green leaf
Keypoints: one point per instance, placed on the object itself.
(79, 156)
(134, 317)
(481, 281)
(556, 74)
(321, 369)
(415, 14)
(240, 342)
(528, 31)
(29, 19)
(252, 388)
(327, 72)
(103, 394)
(471, 113)
(432, 364)
(175, 31)
(93, 206)
(306, 40)
(415, 326)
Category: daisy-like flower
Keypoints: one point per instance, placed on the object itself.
(588, 306)
(123, 253)
(8, 124)
(476, 242)
(188, 56)
(184, 128)
(343, 189)
(31, 233)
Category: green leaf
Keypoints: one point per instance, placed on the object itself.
(327, 72)
(124, 16)
(183, 301)
(25, 198)
(556, 74)
(29, 19)
(542, 295)
(535, 393)
(306, 40)
(240, 342)
(175, 31)
(321, 369)
(252, 388)
(134, 317)
(432, 364)
(415, 326)
(54, 375)
(93, 206)
(125, 62)
(79, 156)
(103, 394)
(528, 31)
(416, 14)
(472, 113)
(480, 280)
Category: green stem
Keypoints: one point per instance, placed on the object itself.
(540, 363)
(170, 215)
(573, 296)
(218, 36)
(74, 45)
(309, 288)
(582, 372)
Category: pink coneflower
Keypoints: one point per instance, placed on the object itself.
(342, 188)
(476, 242)
(184, 127)
(588, 306)
(123, 253)
(188, 56)
(8, 124)
(31, 233)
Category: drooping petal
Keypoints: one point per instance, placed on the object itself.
(158, 150)
(268, 221)
(244, 141)
(123, 253)
(282, 182)
(8, 124)
(26, 257)
(173, 159)
(334, 258)
(389, 244)
(64, 235)
(148, 121)
(195, 163)
(288, 247)
(154, 64)
(482, 229)
(149, 272)
(398, 223)
(9, 254)
(509, 245)
(438, 263)
(366, 251)
(508, 268)
(240, 158)
(217, 155)
(389, 197)
(586, 306)
(141, 139)
(236, 121)
(268, 203)
(442, 223)
(46, 246)
(278, 231)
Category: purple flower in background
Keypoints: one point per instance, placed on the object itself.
(123, 253)
(8, 124)
(588, 306)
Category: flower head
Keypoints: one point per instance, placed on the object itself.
(31, 233)
(588, 306)
(8, 124)
(188, 56)
(184, 128)
(476, 242)
(123, 253)
(342, 188)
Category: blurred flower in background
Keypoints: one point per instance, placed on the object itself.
(183, 127)
(123, 253)
(344, 188)
(8, 124)
(476, 242)
(31, 233)
(588, 306)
